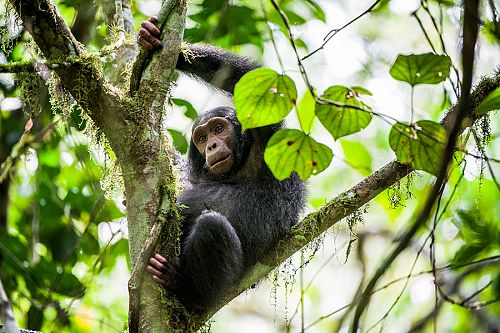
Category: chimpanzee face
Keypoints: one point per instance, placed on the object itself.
(214, 140)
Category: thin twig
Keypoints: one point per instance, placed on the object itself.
(333, 32)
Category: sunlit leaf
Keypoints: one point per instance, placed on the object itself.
(263, 97)
(357, 156)
(491, 102)
(416, 69)
(421, 145)
(305, 112)
(292, 150)
(340, 120)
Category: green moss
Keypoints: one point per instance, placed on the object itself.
(399, 192)
(58, 96)
(32, 93)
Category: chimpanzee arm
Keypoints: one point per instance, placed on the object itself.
(215, 66)
(210, 64)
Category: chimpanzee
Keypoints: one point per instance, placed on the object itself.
(234, 208)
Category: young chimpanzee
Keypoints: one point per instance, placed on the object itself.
(234, 209)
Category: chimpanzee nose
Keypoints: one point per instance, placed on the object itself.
(212, 146)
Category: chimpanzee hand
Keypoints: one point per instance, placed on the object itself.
(149, 34)
(164, 272)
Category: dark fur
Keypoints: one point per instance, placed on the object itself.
(214, 66)
(230, 220)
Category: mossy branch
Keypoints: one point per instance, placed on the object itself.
(83, 78)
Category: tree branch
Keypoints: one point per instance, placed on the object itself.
(83, 79)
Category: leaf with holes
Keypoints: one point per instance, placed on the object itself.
(343, 120)
(416, 69)
(421, 145)
(263, 97)
(491, 102)
(292, 150)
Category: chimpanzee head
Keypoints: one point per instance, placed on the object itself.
(218, 148)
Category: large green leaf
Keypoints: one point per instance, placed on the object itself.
(491, 102)
(420, 145)
(427, 68)
(292, 150)
(343, 120)
(263, 97)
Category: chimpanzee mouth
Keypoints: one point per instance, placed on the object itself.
(220, 161)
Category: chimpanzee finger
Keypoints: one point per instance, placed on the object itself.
(153, 19)
(158, 276)
(153, 29)
(158, 265)
(155, 42)
(160, 258)
(143, 42)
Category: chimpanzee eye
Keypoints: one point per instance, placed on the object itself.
(202, 138)
(218, 128)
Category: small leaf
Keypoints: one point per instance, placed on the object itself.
(491, 102)
(361, 90)
(292, 150)
(341, 121)
(316, 10)
(420, 145)
(190, 110)
(357, 156)
(467, 253)
(69, 285)
(305, 112)
(180, 142)
(28, 126)
(427, 68)
(263, 97)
